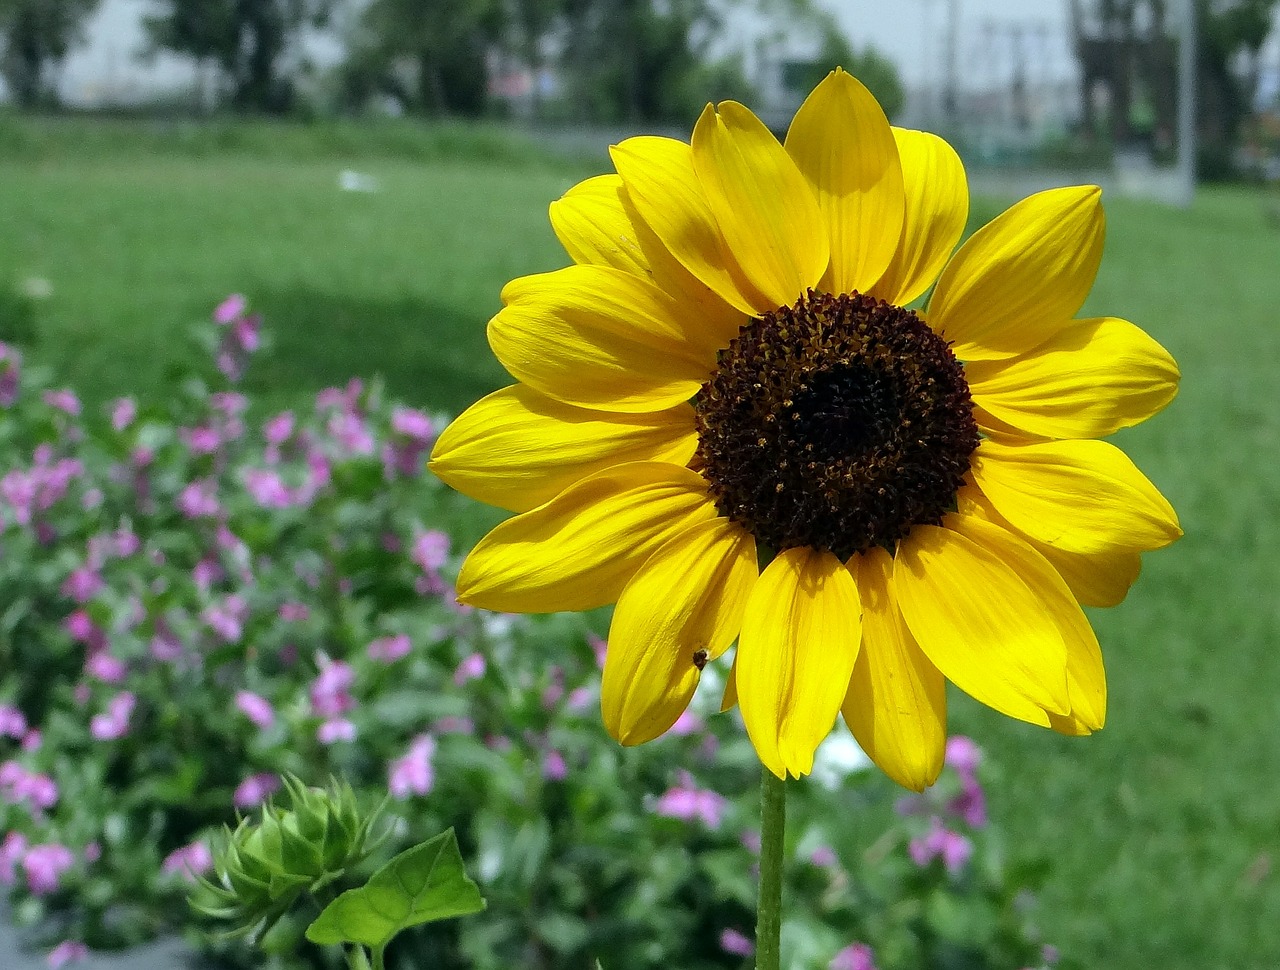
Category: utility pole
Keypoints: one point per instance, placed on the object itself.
(951, 83)
(1187, 106)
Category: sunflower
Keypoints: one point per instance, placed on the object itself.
(730, 422)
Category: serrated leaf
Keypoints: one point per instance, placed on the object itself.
(420, 885)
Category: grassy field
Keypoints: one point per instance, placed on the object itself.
(1163, 829)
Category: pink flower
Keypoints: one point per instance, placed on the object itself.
(351, 433)
(126, 542)
(413, 774)
(855, 956)
(12, 721)
(115, 722)
(226, 618)
(390, 649)
(330, 691)
(268, 489)
(189, 861)
(206, 572)
(579, 699)
(963, 754)
(12, 849)
(335, 730)
(412, 424)
(970, 804)
(165, 646)
(246, 333)
(689, 803)
(82, 584)
(471, 668)
(939, 842)
(123, 412)
(68, 951)
(278, 429)
(79, 626)
(599, 647)
(455, 725)
(229, 403)
(230, 309)
(735, 943)
(103, 666)
(256, 708)
(294, 612)
(92, 852)
(554, 767)
(63, 400)
(255, 790)
(687, 723)
(32, 740)
(824, 857)
(199, 500)
(431, 550)
(44, 866)
(201, 440)
(341, 397)
(10, 375)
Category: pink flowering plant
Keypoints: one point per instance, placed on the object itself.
(199, 597)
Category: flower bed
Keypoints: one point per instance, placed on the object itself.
(196, 598)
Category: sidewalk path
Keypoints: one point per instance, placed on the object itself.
(165, 955)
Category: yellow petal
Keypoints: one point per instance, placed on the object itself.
(1079, 496)
(937, 207)
(579, 550)
(599, 226)
(842, 144)
(730, 699)
(662, 185)
(1086, 680)
(517, 449)
(682, 609)
(591, 224)
(599, 338)
(1022, 277)
(980, 624)
(897, 700)
(1090, 379)
(796, 652)
(761, 203)
(1095, 579)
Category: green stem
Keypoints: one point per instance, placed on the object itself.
(773, 822)
(378, 963)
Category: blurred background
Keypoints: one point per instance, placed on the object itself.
(370, 173)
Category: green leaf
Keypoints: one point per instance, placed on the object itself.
(420, 885)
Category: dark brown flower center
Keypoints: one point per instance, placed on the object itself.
(838, 423)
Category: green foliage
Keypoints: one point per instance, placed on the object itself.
(36, 36)
(444, 43)
(867, 64)
(263, 867)
(421, 885)
(643, 61)
(245, 40)
(147, 227)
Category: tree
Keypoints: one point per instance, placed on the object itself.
(246, 39)
(1136, 64)
(868, 65)
(429, 53)
(37, 36)
(641, 60)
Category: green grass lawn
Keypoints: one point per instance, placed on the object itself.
(1164, 829)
